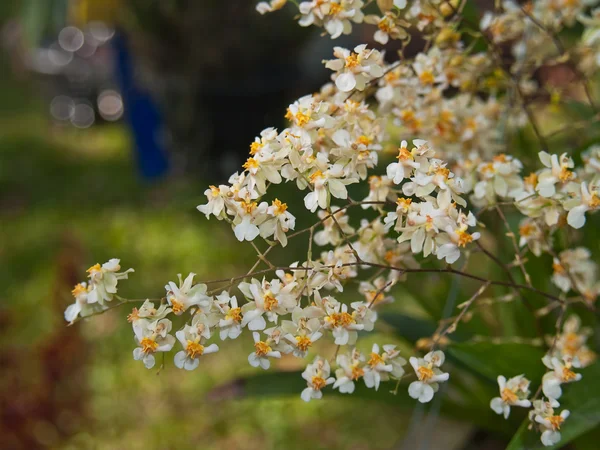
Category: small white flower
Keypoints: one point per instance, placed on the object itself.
(548, 423)
(561, 373)
(103, 281)
(317, 377)
(428, 374)
(191, 341)
(513, 392)
(152, 337)
(262, 352)
(183, 297)
(355, 69)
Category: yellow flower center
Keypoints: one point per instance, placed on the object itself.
(235, 314)
(251, 163)
(565, 174)
(79, 289)
(342, 319)
(364, 140)
(556, 422)
(404, 203)
(404, 154)
(133, 316)
(255, 147)
(568, 374)
(426, 77)
(357, 372)
(526, 230)
(508, 396)
(318, 383)
(261, 348)
(334, 8)
(424, 373)
(148, 345)
(594, 201)
(501, 158)
(375, 359)
(558, 269)
(531, 180)
(177, 306)
(443, 171)
(94, 269)
(303, 343)
(270, 301)
(279, 207)
(318, 174)
(464, 238)
(248, 206)
(352, 60)
(194, 349)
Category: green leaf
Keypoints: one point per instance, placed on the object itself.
(582, 399)
(490, 360)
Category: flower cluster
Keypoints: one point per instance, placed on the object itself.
(422, 141)
(95, 295)
(568, 351)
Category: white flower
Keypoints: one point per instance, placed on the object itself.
(262, 353)
(279, 222)
(428, 374)
(152, 337)
(404, 168)
(376, 369)
(148, 311)
(231, 325)
(349, 370)
(557, 172)
(317, 377)
(191, 341)
(267, 298)
(332, 182)
(183, 297)
(587, 201)
(81, 307)
(342, 323)
(561, 373)
(103, 281)
(548, 423)
(355, 69)
(513, 392)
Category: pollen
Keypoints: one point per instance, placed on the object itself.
(133, 316)
(148, 345)
(248, 206)
(318, 174)
(261, 348)
(364, 140)
(251, 163)
(556, 422)
(424, 373)
(342, 319)
(559, 269)
(214, 190)
(384, 26)
(352, 60)
(464, 238)
(318, 383)
(94, 269)
(194, 349)
(270, 301)
(565, 174)
(426, 77)
(235, 314)
(278, 207)
(508, 396)
(375, 359)
(79, 289)
(501, 158)
(531, 179)
(443, 171)
(526, 230)
(404, 203)
(255, 147)
(404, 154)
(177, 306)
(357, 372)
(568, 374)
(303, 343)
(594, 201)
(334, 9)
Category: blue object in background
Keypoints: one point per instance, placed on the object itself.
(141, 114)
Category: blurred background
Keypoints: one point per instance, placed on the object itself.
(114, 117)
